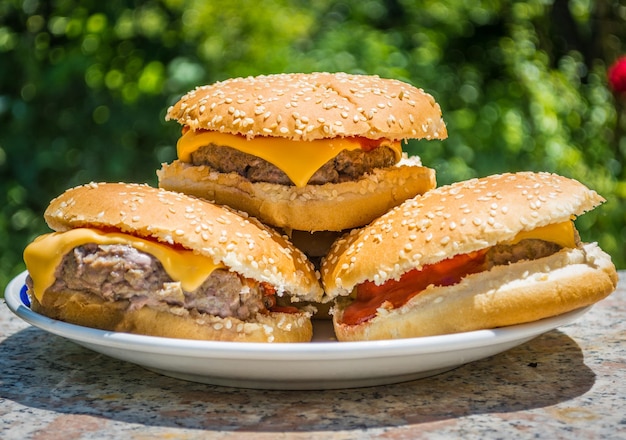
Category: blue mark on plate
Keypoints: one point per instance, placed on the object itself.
(24, 296)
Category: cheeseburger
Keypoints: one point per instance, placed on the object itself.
(479, 254)
(137, 259)
(303, 152)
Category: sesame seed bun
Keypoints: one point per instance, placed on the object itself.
(459, 219)
(240, 243)
(309, 107)
(312, 106)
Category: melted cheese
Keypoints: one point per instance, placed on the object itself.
(44, 255)
(278, 151)
(562, 234)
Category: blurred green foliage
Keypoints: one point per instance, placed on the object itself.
(84, 86)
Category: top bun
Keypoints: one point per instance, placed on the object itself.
(451, 220)
(243, 244)
(312, 106)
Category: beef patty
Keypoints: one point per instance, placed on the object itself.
(121, 272)
(528, 249)
(348, 165)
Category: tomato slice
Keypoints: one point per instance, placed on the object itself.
(369, 144)
(396, 293)
(269, 297)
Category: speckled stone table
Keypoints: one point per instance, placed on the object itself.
(567, 383)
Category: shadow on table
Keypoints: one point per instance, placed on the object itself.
(47, 372)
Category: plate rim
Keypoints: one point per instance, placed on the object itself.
(315, 350)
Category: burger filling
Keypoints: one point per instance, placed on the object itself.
(395, 293)
(348, 165)
(272, 159)
(121, 272)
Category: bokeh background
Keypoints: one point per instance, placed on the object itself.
(84, 86)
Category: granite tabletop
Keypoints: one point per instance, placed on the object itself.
(567, 383)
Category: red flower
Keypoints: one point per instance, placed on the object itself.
(617, 75)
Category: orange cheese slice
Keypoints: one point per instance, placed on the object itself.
(562, 234)
(44, 255)
(299, 160)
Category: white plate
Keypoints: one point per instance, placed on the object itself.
(321, 364)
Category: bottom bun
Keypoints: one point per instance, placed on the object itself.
(89, 311)
(505, 295)
(329, 207)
